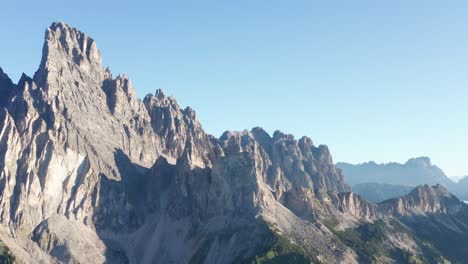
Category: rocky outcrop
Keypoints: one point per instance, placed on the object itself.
(66, 241)
(10, 143)
(175, 127)
(424, 200)
(294, 170)
(352, 204)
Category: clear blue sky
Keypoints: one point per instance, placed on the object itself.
(374, 80)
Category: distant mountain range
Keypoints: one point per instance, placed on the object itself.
(388, 180)
(462, 188)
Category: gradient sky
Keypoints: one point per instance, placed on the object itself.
(374, 80)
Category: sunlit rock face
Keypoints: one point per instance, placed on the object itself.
(89, 173)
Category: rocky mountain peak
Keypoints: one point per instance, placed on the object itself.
(4, 76)
(159, 94)
(424, 199)
(432, 191)
(419, 162)
(6, 88)
(64, 48)
(278, 135)
(73, 42)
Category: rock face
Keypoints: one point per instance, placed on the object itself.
(91, 174)
(422, 200)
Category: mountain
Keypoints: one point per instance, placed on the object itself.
(458, 178)
(6, 88)
(427, 225)
(414, 172)
(89, 173)
(462, 188)
(378, 192)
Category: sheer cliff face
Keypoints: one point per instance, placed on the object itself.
(6, 88)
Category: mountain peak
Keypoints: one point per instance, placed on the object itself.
(73, 41)
(4, 76)
(424, 199)
(6, 88)
(67, 47)
(419, 162)
(58, 25)
(427, 190)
